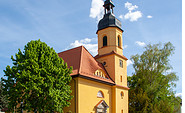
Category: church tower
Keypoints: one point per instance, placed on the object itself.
(110, 47)
(110, 54)
(109, 31)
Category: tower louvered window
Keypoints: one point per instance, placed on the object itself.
(105, 41)
(119, 45)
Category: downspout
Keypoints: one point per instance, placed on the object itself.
(76, 110)
(75, 94)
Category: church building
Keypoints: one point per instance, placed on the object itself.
(99, 84)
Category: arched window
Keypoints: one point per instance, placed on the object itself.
(122, 94)
(105, 41)
(100, 94)
(120, 63)
(119, 45)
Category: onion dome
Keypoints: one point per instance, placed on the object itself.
(109, 20)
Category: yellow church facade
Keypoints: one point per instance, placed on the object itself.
(99, 84)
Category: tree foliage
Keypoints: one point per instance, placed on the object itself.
(151, 84)
(38, 79)
(3, 98)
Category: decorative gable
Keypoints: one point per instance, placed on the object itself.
(101, 107)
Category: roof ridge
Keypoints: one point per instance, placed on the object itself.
(81, 53)
(87, 50)
(70, 49)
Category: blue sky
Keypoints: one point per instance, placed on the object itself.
(65, 24)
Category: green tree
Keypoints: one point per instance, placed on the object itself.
(38, 80)
(151, 84)
(3, 98)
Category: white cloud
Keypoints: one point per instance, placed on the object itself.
(97, 9)
(178, 95)
(87, 43)
(86, 40)
(129, 62)
(121, 16)
(130, 7)
(140, 43)
(149, 16)
(131, 15)
(125, 46)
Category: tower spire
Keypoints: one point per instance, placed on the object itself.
(108, 5)
(109, 19)
(109, 31)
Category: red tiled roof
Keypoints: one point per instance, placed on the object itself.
(84, 64)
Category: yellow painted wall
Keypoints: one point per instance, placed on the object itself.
(115, 71)
(121, 102)
(112, 41)
(120, 71)
(87, 95)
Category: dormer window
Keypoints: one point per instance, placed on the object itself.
(104, 41)
(100, 73)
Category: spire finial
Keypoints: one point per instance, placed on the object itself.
(108, 5)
